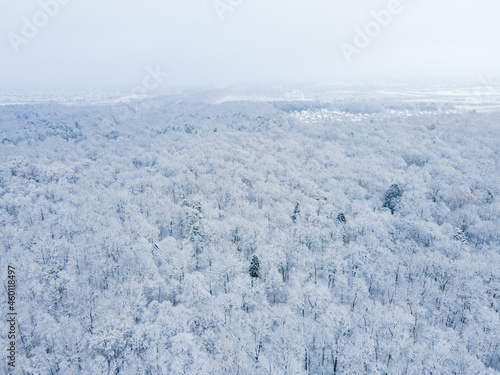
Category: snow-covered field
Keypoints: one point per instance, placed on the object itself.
(324, 231)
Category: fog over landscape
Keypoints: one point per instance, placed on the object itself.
(250, 187)
(211, 42)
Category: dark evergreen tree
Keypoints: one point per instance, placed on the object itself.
(296, 212)
(392, 197)
(490, 197)
(341, 218)
(254, 268)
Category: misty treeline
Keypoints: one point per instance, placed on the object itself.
(177, 237)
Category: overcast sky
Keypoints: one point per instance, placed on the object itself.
(112, 42)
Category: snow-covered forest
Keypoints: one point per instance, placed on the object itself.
(179, 235)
